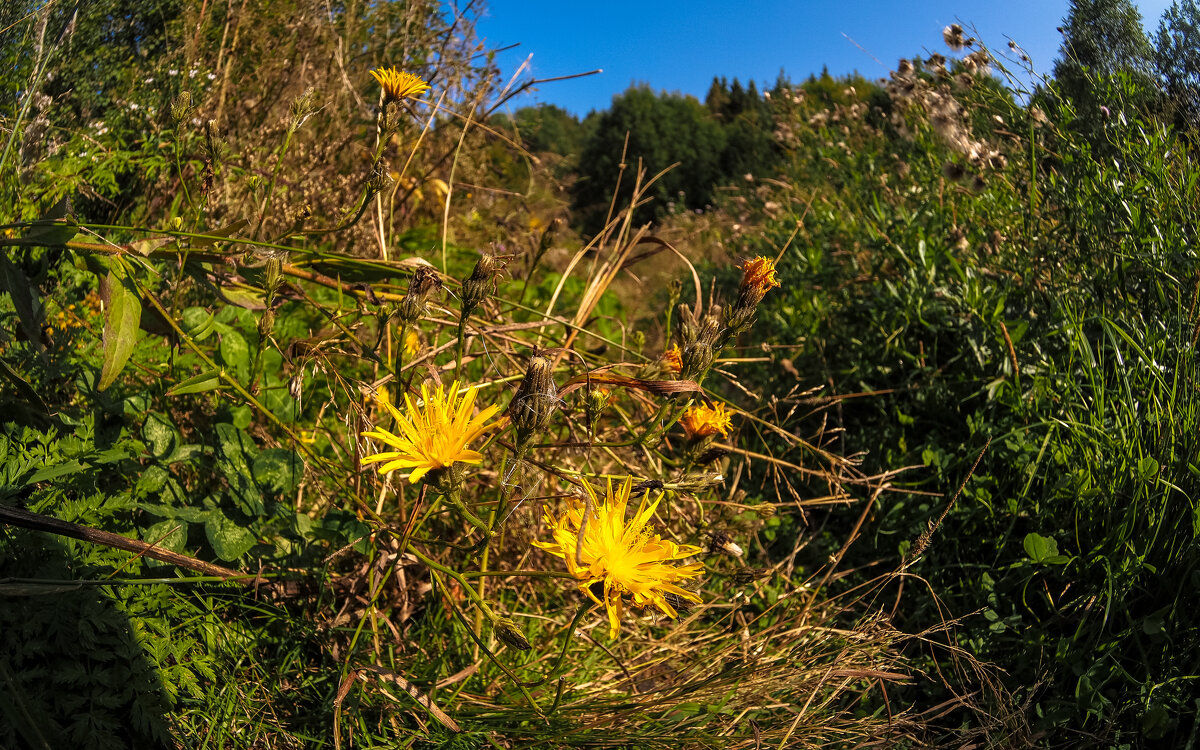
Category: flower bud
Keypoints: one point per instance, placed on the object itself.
(425, 281)
(536, 400)
(481, 283)
(181, 107)
(509, 634)
(744, 576)
(758, 277)
(721, 541)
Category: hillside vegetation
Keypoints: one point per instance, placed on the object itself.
(347, 406)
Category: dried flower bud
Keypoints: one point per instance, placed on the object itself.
(304, 107)
(389, 118)
(296, 385)
(509, 634)
(697, 482)
(744, 576)
(536, 400)
(481, 283)
(379, 180)
(764, 510)
(721, 541)
(953, 36)
(425, 281)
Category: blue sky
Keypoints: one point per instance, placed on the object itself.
(680, 46)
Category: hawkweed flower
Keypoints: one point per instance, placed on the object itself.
(702, 421)
(620, 559)
(673, 359)
(399, 84)
(433, 434)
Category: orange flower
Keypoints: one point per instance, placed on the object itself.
(759, 274)
(673, 359)
(702, 420)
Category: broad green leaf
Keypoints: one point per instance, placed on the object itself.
(235, 353)
(170, 535)
(229, 540)
(280, 469)
(121, 320)
(236, 452)
(161, 436)
(1043, 549)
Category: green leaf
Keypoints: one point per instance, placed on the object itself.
(56, 227)
(205, 381)
(235, 353)
(25, 299)
(229, 540)
(198, 323)
(56, 471)
(1147, 468)
(225, 231)
(279, 469)
(170, 535)
(161, 436)
(121, 320)
(236, 451)
(1043, 549)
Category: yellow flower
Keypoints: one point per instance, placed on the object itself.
(433, 435)
(703, 420)
(399, 84)
(627, 558)
(673, 358)
(412, 343)
(759, 274)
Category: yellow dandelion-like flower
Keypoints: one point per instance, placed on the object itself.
(432, 435)
(627, 557)
(759, 274)
(399, 84)
(703, 420)
(673, 359)
(412, 343)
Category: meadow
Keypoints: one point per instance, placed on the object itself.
(346, 407)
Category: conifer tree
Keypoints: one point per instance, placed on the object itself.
(1177, 61)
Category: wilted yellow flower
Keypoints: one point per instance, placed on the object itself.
(627, 558)
(398, 84)
(759, 274)
(703, 420)
(673, 359)
(433, 434)
(412, 343)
